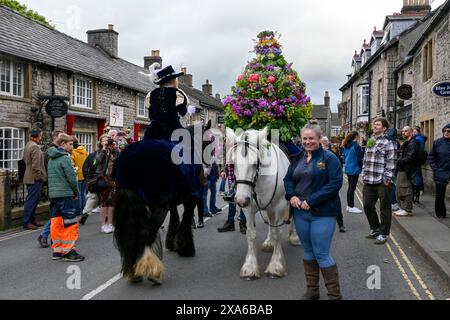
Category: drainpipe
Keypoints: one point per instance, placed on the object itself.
(351, 108)
(370, 97)
(53, 93)
(395, 98)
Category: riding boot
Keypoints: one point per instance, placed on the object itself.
(312, 274)
(331, 277)
(228, 226)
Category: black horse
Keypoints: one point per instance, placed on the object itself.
(149, 185)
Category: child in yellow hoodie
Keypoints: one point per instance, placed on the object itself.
(79, 156)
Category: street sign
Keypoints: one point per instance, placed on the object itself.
(442, 89)
(56, 107)
(220, 119)
(405, 92)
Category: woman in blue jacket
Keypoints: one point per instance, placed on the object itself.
(353, 156)
(312, 185)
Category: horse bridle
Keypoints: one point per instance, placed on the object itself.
(252, 184)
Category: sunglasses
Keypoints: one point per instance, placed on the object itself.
(447, 131)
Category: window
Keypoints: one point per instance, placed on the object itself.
(142, 111)
(12, 144)
(380, 94)
(427, 61)
(405, 118)
(363, 100)
(86, 140)
(11, 78)
(428, 131)
(335, 131)
(81, 93)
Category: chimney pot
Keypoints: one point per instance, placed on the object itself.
(110, 27)
(153, 58)
(207, 88)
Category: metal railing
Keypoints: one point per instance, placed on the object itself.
(18, 192)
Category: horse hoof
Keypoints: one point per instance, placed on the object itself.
(274, 276)
(135, 279)
(155, 282)
(252, 278)
(295, 243)
(267, 248)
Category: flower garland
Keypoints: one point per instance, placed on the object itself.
(269, 93)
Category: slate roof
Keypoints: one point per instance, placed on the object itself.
(320, 112)
(335, 122)
(28, 39)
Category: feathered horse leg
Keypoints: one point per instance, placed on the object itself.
(184, 239)
(136, 236)
(174, 225)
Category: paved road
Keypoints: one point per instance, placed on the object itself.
(27, 272)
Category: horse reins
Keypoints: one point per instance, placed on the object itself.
(252, 184)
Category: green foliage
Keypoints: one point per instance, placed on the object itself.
(23, 10)
(269, 93)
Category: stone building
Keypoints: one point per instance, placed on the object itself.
(427, 65)
(397, 80)
(322, 113)
(370, 90)
(38, 63)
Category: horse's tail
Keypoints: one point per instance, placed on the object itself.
(140, 249)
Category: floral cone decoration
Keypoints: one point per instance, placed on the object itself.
(269, 93)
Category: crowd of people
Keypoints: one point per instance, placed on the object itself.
(391, 174)
(71, 175)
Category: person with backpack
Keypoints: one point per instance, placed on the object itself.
(89, 173)
(79, 156)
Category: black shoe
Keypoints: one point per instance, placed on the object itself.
(56, 256)
(84, 217)
(227, 227)
(243, 228)
(215, 212)
(72, 256)
(209, 215)
(342, 229)
(200, 225)
(43, 242)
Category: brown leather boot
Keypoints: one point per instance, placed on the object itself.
(312, 274)
(331, 277)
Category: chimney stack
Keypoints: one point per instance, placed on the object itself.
(218, 96)
(327, 98)
(107, 39)
(207, 88)
(153, 58)
(416, 7)
(186, 79)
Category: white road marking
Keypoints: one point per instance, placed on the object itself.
(103, 287)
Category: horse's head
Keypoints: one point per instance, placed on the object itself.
(244, 152)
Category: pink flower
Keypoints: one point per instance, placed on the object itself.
(241, 77)
(271, 79)
(291, 77)
(254, 78)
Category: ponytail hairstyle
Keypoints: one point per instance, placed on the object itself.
(350, 138)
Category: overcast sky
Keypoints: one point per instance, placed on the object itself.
(213, 38)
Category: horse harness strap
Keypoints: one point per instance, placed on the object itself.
(252, 184)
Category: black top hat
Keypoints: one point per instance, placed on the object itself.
(167, 74)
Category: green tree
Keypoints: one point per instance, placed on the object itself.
(23, 10)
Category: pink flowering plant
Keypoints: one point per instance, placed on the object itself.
(269, 93)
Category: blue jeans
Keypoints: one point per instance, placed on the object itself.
(82, 188)
(419, 179)
(31, 202)
(46, 232)
(393, 191)
(211, 186)
(316, 234)
(222, 185)
(232, 214)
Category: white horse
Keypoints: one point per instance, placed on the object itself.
(260, 167)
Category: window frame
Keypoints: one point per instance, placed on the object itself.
(82, 96)
(427, 61)
(19, 148)
(14, 81)
(363, 104)
(141, 99)
(82, 141)
(380, 93)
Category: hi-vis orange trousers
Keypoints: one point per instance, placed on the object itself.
(64, 226)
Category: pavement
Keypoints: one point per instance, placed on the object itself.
(430, 235)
